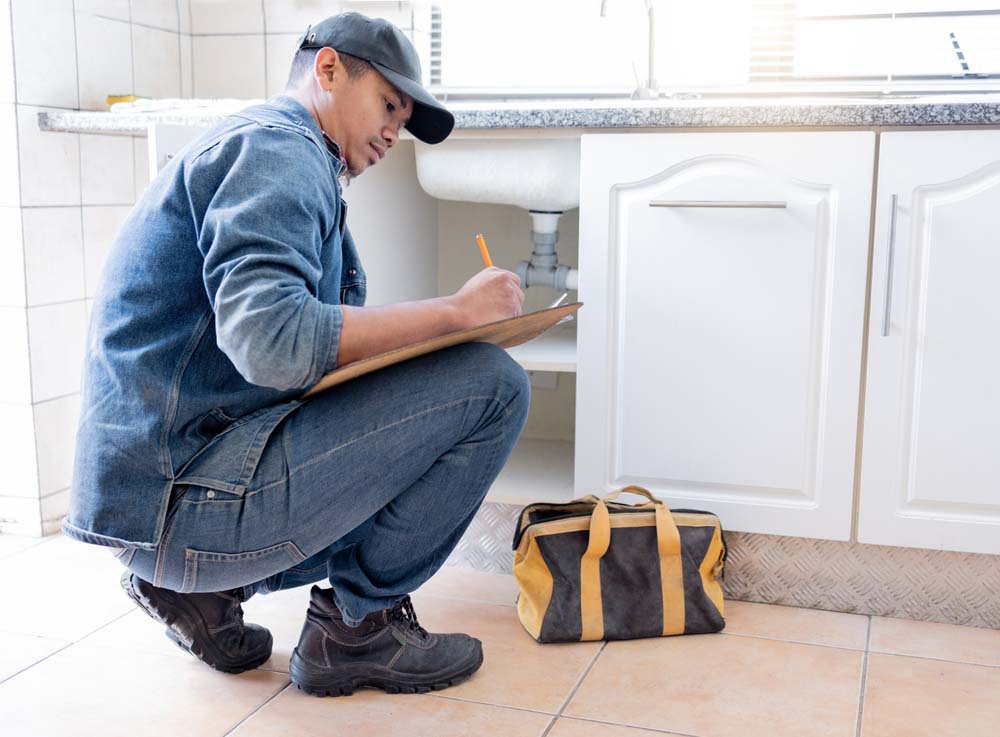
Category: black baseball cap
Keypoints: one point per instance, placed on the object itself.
(385, 47)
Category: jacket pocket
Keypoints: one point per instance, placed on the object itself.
(206, 570)
(229, 461)
(212, 423)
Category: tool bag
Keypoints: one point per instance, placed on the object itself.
(594, 569)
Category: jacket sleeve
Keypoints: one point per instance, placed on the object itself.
(266, 209)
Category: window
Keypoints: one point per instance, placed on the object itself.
(546, 47)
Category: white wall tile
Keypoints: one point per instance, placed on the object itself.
(157, 62)
(53, 254)
(55, 438)
(141, 148)
(104, 52)
(116, 9)
(50, 162)
(107, 170)
(280, 51)
(53, 511)
(15, 368)
(229, 66)
(100, 227)
(45, 72)
(10, 180)
(6, 54)
(184, 15)
(187, 67)
(294, 16)
(20, 516)
(17, 451)
(226, 16)
(57, 336)
(12, 292)
(155, 13)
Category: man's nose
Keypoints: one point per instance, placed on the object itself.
(391, 138)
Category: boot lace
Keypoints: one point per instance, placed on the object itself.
(403, 613)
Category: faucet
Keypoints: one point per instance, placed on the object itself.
(647, 91)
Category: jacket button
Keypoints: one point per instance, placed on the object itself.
(352, 272)
(210, 494)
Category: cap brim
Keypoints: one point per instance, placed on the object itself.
(431, 121)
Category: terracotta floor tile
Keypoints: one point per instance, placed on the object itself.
(517, 671)
(371, 713)
(18, 651)
(724, 686)
(910, 697)
(796, 625)
(87, 691)
(64, 589)
(566, 727)
(463, 583)
(282, 612)
(932, 640)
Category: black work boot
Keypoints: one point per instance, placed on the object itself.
(388, 650)
(209, 626)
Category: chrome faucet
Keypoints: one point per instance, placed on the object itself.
(648, 90)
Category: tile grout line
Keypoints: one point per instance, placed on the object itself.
(579, 682)
(864, 678)
(794, 642)
(273, 696)
(672, 733)
(64, 647)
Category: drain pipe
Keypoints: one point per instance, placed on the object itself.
(544, 269)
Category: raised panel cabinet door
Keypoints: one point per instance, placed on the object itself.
(723, 279)
(930, 465)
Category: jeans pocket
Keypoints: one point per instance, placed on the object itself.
(213, 571)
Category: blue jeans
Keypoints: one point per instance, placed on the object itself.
(370, 485)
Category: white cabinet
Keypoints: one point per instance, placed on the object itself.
(719, 347)
(930, 472)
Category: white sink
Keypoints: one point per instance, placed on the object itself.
(536, 174)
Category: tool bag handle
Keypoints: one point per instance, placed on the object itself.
(668, 543)
(668, 537)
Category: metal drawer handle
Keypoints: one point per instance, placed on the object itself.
(765, 205)
(887, 307)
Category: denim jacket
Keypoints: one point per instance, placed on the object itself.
(219, 304)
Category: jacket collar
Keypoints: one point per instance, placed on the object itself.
(298, 112)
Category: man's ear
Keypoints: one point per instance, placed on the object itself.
(325, 67)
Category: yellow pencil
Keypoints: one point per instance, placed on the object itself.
(482, 249)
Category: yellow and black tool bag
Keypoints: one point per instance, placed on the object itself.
(594, 569)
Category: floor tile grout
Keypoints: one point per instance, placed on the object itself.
(674, 733)
(576, 688)
(794, 642)
(69, 644)
(261, 706)
(490, 703)
(864, 679)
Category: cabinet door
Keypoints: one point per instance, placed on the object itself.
(719, 347)
(930, 470)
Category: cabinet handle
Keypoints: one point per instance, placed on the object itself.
(719, 203)
(887, 307)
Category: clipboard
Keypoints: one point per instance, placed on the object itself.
(504, 333)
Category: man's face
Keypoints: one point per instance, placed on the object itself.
(363, 115)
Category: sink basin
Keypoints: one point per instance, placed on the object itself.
(536, 174)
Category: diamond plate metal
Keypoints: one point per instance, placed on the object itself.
(930, 585)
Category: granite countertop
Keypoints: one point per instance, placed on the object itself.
(981, 109)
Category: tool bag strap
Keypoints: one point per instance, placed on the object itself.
(668, 541)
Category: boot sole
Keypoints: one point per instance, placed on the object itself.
(345, 681)
(205, 651)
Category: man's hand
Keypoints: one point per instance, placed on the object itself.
(492, 294)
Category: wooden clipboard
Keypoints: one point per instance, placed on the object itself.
(504, 333)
